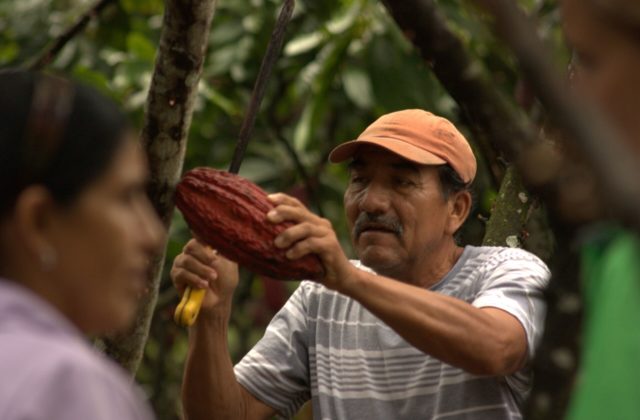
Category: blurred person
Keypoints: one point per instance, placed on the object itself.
(76, 234)
(605, 38)
(417, 328)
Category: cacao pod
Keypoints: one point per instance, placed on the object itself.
(229, 213)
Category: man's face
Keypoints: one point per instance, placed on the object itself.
(607, 67)
(395, 210)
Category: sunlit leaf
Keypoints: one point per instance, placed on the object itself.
(304, 43)
(357, 86)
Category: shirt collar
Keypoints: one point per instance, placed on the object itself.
(21, 308)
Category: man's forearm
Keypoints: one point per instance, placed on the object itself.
(443, 327)
(210, 389)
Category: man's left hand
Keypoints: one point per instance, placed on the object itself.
(310, 235)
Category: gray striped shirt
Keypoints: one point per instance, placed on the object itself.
(328, 348)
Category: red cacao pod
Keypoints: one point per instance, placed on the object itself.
(229, 213)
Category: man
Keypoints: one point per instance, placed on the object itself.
(418, 328)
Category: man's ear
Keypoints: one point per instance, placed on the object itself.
(459, 208)
(33, 215)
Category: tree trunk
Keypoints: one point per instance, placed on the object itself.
(172, 94)
(510, 213)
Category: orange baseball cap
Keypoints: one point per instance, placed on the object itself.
(418, 136)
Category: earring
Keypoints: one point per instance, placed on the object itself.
(48, 258)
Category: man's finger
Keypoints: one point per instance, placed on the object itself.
(297, 233)
(282, 198)
(200, 251)
(289, 213)
(183, 278)
(312, 245)
(195, 266)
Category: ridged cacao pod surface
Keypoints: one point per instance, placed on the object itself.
(229, 213)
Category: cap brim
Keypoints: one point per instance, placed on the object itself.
(401, 148)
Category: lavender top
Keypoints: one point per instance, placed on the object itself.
(49, 370)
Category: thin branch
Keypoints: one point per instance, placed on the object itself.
(269, 60)
(50, 52)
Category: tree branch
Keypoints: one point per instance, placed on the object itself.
(50, 52)
(481, 103)
(616, 167)
(170, 103)
(269, 60)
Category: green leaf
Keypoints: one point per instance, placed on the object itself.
(345, 20)
(217, 98)
(302, 133)
(8, 52)
(91, 77)
(304, 43)
(140, 47)
(143, 7)
(357, 86)
(259, 170)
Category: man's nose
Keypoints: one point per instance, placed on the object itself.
(374, 200)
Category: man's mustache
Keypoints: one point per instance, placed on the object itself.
(366, 221)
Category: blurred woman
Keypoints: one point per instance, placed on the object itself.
(76, 234)
(605, 37)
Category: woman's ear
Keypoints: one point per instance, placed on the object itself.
(459, 209)
(32, 219)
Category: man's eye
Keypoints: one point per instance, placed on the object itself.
(358, 179)
(403, 182)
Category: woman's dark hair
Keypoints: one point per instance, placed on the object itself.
(55, 133)
(450, 181)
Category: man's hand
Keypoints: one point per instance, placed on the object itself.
(200, 267)
(311, 235)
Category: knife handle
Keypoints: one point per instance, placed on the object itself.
(187, 311)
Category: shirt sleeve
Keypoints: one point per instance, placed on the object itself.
(515, 283)
(276, 370)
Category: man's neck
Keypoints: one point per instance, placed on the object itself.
(432, 268)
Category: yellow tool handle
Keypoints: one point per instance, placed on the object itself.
(188, 308)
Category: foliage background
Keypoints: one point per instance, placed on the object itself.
(344, 64)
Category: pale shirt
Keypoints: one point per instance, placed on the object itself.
(327, 348)
(49, 371)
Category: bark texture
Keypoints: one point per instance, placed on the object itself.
(170, 103)
(510, 214)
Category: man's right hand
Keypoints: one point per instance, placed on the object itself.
(199, 266)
